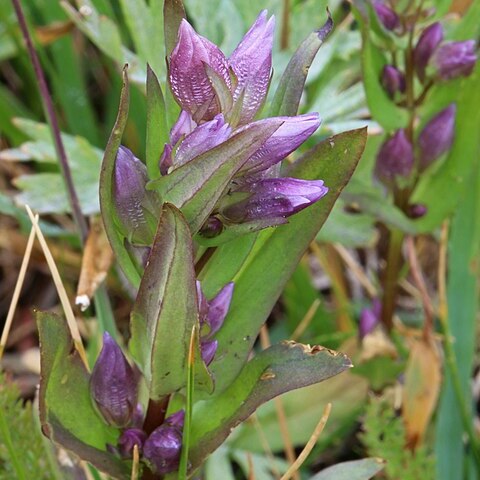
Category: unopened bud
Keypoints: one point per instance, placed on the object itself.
(393, 80)
(426, 46)
(395, 157)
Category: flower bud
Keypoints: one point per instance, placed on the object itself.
(189, 81)
(251, 62)
(113, 385)
(393, 80)
(455, 59)
(273, 198)
(436, 138)
(163, 447)
(417, 210)
(426, 46)
(212, 227)
(386, 15)
(128, 439)
(137, 208)
(208, 350)
(395, 157)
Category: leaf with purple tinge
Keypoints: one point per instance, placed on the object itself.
(67, 414)
(279, 369)
(166, 311)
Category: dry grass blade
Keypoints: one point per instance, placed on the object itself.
(265, 445)
(18, 288)
(310, 444)
(305, 322)
(70, 317)
(135, 463)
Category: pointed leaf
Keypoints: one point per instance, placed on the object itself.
(196, 186)
(279, 369)
(355, 470)
(173, 13)
(67, 414)
(260, 278)
(290, 89)
(166, 310)
(107, 205)
(157, 129)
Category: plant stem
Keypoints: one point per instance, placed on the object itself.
(285, 30)
(53, 122)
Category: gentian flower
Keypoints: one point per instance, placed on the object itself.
(212, 314)
(395, 157)
(136, 207)
(113, 385)
(454, 59)
(393, 80)
(436, 138)
(163, 447)
(427, 43)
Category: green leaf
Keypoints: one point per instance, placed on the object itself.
(166, 311)
(355, 470)
(67, 413)
(107, 202)
(157, 129)
(173, 13)
(382, 108)
(289, 91)
(261, 277)
(196, 186)
(279, 369)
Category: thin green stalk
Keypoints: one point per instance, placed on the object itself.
(183, 467)
(16, 463)
(103, 310)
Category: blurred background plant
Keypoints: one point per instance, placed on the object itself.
(373, 284)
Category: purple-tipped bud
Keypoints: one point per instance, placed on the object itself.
(369, 319)
(395, 157)
(128, 439)
(252, 64)
(113, 385)
(437, 136)
(189, 81)
(163, 447)
(176, 419)
(426, 46)
(203, 138)
(289, 136)
(386, 15)
(417, 210)
(137, 208)
(208, 350)
(273, 198)
(211, 228)
(455, 59)
(393, 80)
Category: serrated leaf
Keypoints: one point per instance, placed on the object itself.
(166, 311)
(260, 278)
(157, 129)
(196, 186)
(289, 91)
(279, 369)
(67, 413)
(355, 470)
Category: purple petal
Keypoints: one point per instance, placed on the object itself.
(190, 84)
(162, 448)
(368, 321)
(455, 59)
(183, 126)
(203, 138)
(218, 308)
(386, 15)
(202, 304)
(426, 45)
(176, 419)
(113, 385)
(252, 64)
(437, 136)
(130, 438)
(208, 349)
(395, 157)
(289, 136)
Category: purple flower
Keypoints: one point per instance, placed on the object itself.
(113, 385)
(436, 138)
(183, 126)
(417, 210)
(393, 80)
(128, 439)
(369, 318)
(288, 137)
(252, 64)
(386, 15)
(426, 46)
(212, 314)
(395, 157)
(189, 81)
(454, 59)
(137, 208)
(203, 138)
(272, 198)
(163, 447)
